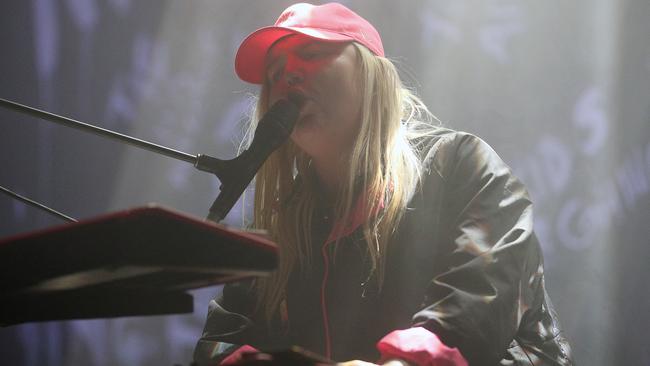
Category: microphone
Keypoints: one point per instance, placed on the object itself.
(272, 131)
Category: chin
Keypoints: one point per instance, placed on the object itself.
(305, 136)
(313, 150)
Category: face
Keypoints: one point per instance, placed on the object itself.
(321, 76)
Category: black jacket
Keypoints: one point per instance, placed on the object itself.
(464, 263)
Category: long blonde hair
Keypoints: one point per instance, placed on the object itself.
(384, 160)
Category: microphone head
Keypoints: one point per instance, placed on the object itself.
(282, 115)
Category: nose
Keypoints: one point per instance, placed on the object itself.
(293, 78)
(290, 75)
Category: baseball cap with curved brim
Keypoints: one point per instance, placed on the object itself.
(331, 22)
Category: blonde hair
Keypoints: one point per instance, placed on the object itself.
(384, 165)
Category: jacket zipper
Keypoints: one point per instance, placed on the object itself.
(326, 327)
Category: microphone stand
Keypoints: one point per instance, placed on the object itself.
(234, 174)
(37, 205)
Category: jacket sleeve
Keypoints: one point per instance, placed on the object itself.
(228, 324)
(494, 270)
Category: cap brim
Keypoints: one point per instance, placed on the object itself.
(250, 58)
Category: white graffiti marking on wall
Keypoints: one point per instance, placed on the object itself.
(570, 213)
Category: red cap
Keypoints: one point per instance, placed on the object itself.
(328, 22)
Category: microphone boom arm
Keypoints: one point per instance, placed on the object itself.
(234, 174)
(69, 122)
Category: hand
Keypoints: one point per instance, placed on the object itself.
(364, 363)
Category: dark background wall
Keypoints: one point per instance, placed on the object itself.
(560, 89)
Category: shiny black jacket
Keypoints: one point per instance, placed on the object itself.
(464, 263)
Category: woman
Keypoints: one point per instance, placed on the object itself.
(401, 242)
